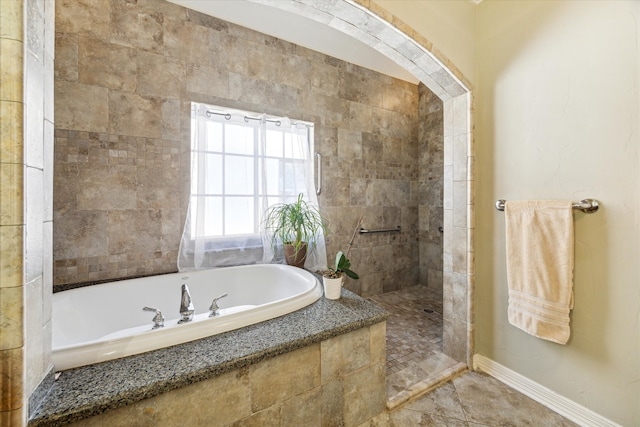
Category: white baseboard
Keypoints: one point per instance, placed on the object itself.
(552, 400)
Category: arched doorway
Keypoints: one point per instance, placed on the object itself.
(411, 51)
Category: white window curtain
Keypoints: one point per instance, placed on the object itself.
(241, 164)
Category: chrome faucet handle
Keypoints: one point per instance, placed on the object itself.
(214, 308)
(158, 319)
(187, 309)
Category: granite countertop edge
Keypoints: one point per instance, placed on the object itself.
(76, 395)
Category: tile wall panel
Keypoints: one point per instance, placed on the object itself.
(122, 138)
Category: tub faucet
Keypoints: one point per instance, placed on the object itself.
(186, 306)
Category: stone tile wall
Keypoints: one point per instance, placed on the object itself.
(12, 404)
(431, 179)
(337, 382)
(126, 73)
(26, 227)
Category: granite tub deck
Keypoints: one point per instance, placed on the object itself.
(91, 390)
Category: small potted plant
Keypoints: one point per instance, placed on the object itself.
(333, 278)
(296, 225)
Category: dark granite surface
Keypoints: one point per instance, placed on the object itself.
(90, 390)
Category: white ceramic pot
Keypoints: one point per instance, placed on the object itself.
(332, 287)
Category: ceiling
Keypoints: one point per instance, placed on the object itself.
(299, 30)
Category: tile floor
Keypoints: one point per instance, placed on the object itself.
(414, 342)
(415, 362)
(412, 332)
(473, 399)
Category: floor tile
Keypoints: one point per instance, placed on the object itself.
(486, 400)
(415, 358)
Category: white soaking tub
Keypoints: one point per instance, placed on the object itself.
(96, 323)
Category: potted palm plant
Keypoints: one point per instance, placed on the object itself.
(333, 278)
(296, 226)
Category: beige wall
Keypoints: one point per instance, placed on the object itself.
(558, 117)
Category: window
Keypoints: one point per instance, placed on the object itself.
(242, 163)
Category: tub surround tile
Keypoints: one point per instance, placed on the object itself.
(66, 63)
(298, 371)
(303, 410)
(107, 188)
(364, 394)
(75, 394)
(136, 27)
(336, 364)
(85, 231)
(81, 107)
(132, 114)
(368, 128)
(99, 63)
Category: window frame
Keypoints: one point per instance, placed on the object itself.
(248, 120)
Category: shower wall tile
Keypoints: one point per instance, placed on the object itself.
(349, 144)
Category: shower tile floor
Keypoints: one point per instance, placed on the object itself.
(414, 342)
(415, 363)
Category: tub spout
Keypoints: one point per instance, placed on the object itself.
(186, 306)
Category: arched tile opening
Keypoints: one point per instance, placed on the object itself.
(388, 35)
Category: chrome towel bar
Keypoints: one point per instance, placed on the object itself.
(585, 205)
(378, 230)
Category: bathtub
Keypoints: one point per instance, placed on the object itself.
(97, 323)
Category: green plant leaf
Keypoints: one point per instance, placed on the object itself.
(293, 223)
(351, 274)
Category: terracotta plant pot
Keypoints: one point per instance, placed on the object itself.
(332, 287)
(294, 258)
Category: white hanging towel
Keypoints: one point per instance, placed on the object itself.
(540, 254)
